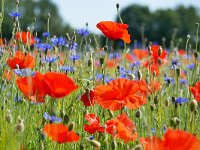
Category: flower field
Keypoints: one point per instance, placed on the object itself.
(60, 93)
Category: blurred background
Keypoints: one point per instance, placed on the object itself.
(148, 20)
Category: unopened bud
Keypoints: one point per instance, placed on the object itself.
(94, 143)
(193, 105)
(138, 147)
(8, 116)
(20, 126)
(196, 55)
(178, 72)
(152, 107)
(139, 75)
(49, 15)
(71, 126)
(156, 100)
(114, 144)
(160, 51)
(138, 114)
(117, 5)
(89, 62)
(101, 61)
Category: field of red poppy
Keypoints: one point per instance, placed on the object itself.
(59, 94)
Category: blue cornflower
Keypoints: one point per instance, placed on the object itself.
(67, 68)
(52, 118)
(100, 77)
(15, 14)
(74, 57)
(191, 66)
(114, 55)
(24, 72)
(17, 98)
(58, 41)
(46, 34)
(83, 32)
(135, 64)
(168, 80)
(175, 64)
(50, 59)
(181, 100)
(91, 137)
(153, 130)
(183, 81)
(37, 40)
(71, 45)
(44, 46)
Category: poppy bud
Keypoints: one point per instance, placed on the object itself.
(82, 146)
(173, 99)
(154, 73)
(131, 76)
(138, 114)
(188, 36)
(105, 48)
(156, 100)
(65, 119)
(159, 61)
(71, 126)
(174, 122)
(139, 75)
(89, 62)
(138, 147)
(48, 15)
(17, 2)
(149, 48)
(178, 72)
(95, 143)
(196, 55)
(20, 125)
(34, 19)
(117, 5)
(8, 116)
(101, 61)
(114, 144)
(167, 103)
(193, 105)
(111, 114)
(160, 51)
(152, 107)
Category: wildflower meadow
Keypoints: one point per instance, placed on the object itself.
(60, 93)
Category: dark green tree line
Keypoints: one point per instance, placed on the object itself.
(160, 24)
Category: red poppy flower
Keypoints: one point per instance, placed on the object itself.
(122, 127)
(172, 140)
(94, 124)
(140, 54)
(22, 60)
(181, 140)
(155, 49)
(152, 143)
(196, 91)
(153, 67)
(130, 58)
(1, 42)
(25, 37)
(88, 98)
(114, 31)
(59, 84)
(60, 133)
(34, 88)
(119, 93)
(54, 84)
(181, 52)
(8, 74)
